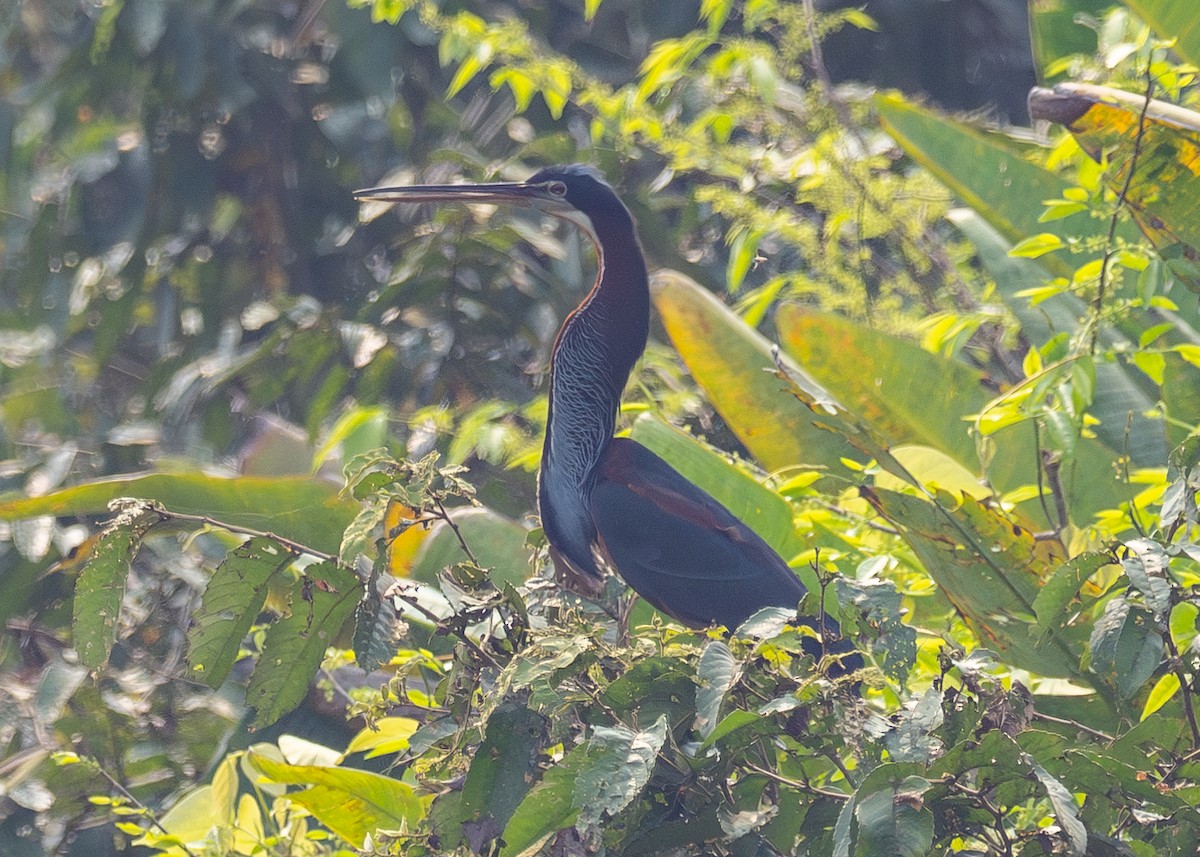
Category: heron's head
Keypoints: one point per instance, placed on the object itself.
(560, 190)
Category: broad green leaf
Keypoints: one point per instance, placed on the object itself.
(1146, 569)
(232, 601)
(1164, 190)
(295, 645)
(716, 673)
(101, 587)
(981, 170)
(1126, 646)
(385, 736)
(597, 778)
(990, 570)
(351, 803)
(889, 381)
(733, 364)
(1061, 588)
(504, 766)
(300, 508)
(547, 808)
(655, 687)
(894, 820)
(620, 762)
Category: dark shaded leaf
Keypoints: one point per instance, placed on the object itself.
(295, 645)
(232, 601)
(101, 587)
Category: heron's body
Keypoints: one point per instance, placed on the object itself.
(610, 503)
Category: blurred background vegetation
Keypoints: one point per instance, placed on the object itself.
(187, 284)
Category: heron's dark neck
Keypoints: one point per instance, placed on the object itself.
(596, 349)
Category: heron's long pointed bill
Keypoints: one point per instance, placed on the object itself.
(519, 193)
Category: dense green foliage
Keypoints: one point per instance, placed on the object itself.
(327, 625)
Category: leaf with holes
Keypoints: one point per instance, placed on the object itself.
(295, 645)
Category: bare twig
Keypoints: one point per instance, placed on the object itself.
(1074, 724)
(802, 785)
(1101, 288)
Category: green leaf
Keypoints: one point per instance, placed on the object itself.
(1147, 571)
(504, 766)
(716, 673)
(1066, 811)
(101, 587)
(548, 807)
(232, 601)
(990, 570)
(351, 803)
(982, 170)
(620, 762)
(1059, 590)
(732, 363)
(589, 9)
(743, 250)
(377, 625)
(890, 379)
(295, 645)
(306, 510)
(894, 821)
(1126, 647)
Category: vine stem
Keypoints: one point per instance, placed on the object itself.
(797, 784)
(1101, 288)
(1185, 687)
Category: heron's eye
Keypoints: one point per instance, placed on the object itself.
(558, 189)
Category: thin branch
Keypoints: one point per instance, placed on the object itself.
(147, 813)
(803, 786)
(1074, 724)
(291, 545)
(445, 516)
(1098, 302)
(1185, 686)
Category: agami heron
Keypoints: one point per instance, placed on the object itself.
(608, 502)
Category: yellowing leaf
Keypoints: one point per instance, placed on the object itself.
(1165, 688)
(1037, 245)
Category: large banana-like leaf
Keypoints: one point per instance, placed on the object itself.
(987, 173)
(732, 363)
(303, 509)
(991, 571)
(891, 383)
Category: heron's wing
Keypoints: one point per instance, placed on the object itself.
(679, 548)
